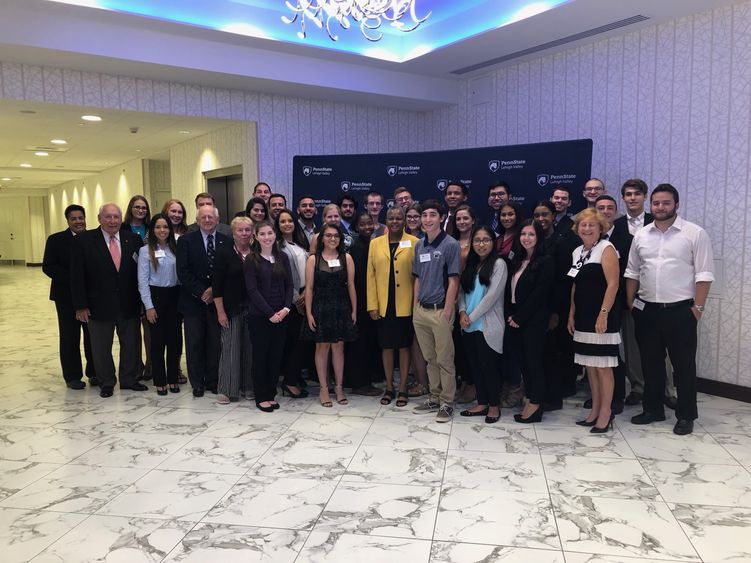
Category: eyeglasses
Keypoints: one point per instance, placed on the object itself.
(413, 217)
(331, 235)
(482, 241)
(140, 207)
(496, 196)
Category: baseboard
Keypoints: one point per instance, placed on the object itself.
(33, 264)
(722, 389)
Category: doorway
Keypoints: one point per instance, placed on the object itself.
(226, 185)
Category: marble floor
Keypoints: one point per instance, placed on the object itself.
(145, 478)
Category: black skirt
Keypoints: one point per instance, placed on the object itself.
(395, 332)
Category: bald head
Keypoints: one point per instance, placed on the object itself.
(110, 218)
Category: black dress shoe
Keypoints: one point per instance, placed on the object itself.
(633, 398)
(93, 381)
(76, 384)
(616, 407)
(105, 392)
(136, 387)
(483, 412)
(683, 427)
(647, 418)
(670, 402)
(270, 408)
(211, 390)
(197, 392)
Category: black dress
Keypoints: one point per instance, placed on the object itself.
(591, 348)
(331, 308)
(394, 332)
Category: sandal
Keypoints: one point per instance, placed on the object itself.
(402, 399)
(328, 404)
(417, 390)
(181, 379)
(388, 396)
(343, 400)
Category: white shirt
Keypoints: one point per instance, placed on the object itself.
(108, 236)
(635, 223)
(668, 265)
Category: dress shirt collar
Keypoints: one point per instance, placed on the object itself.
(107, 236)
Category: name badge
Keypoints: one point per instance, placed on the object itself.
(638, 304)
(405, 244)
(159, 253)
(572, 272)
(333, 263)
(511, 255)
(425, 257)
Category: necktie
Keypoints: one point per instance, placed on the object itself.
(210, 251)
(115, 253)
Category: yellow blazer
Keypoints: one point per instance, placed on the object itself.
(379, 265)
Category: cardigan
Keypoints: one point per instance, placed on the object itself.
(491, 307)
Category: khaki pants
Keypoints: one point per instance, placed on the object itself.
(434, 336)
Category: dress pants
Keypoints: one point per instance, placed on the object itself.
(434, 334)
(293, 355)
(102, 334)
(268, 345)
(70, 343)
(165, 333)
(631, 353)
(672, 329)
(362, 356)
(235, 359)
(485, 367)
(202, 343)
(528, 342)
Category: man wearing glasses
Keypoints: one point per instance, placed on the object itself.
(593, 189)
(499, 195)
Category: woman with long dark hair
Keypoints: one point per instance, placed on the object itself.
(331, 308)
(137, 216)
(510, 216)
(530, 283)
(159, 289)
(268, 277)
(257, 209)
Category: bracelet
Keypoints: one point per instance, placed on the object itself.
(603, 310)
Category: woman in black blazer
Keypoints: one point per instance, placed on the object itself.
(530, 282)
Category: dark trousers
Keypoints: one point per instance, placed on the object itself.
(292, 362)
(70, 329)
(268, 345)
(485, 367)
(165, 334)
(462, 366)
(511, 368)
(362, 357)
(202, 343)
(674, 330)
(560, 369)
(128, 334)
(619, 381)
(529, 342)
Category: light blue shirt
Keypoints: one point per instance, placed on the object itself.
(206, 239)
(472, 299)
(164, 276)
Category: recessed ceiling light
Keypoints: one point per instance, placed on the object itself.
(25, 165)
(138, 150)
(59, 142)
(6, 179)
(91, 118)
(41, 153)
(184, 132)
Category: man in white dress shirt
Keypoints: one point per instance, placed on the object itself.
(668, 276)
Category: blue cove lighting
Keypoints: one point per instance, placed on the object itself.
(448, 21)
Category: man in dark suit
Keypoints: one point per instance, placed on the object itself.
(205, 199)
(499, 195)
(56, 265)
(104, 287)
(562, 222)
(195, 263)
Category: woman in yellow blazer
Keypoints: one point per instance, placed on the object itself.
(390, 299)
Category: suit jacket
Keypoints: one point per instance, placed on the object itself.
(56, 264)
(378, 269)
(622, 221)
(220, 228)
(564, 226)
(532, 293)
(193, 269)
(96, 284)
(621, 239)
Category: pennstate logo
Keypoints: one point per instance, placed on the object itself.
(306, 170)
(441, 184)
(494, 165)
(345, 186)
(390, 203)
(542, 180)
(391, 170)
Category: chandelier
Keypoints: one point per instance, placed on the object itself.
(369, 14)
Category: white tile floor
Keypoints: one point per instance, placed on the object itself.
(145, 478)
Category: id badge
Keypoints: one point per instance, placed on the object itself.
(638, 304)
(573, 272)
(405, 244)
(425, 257)
(333, 263)
(159, 253)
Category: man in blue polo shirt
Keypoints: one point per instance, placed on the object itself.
(436, 271)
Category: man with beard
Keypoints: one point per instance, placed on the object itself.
(348, 209)
(306, 215)
(277, 202)
(499, 195)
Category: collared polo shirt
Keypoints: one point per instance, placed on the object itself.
(435, 262)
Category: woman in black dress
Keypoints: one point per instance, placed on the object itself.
(593, 321)
(331, 308)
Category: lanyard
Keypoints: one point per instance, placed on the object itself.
(584, 257)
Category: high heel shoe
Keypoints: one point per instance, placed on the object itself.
(586, 422)
(534, 417)
(325, 403)
(608, 426)
(343, 400)
(287, 392)
(174, 388)
(161, 391)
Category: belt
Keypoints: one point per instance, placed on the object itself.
(684, 303)
(435, 306)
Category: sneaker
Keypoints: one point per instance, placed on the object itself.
(426, 407)
(444, 414)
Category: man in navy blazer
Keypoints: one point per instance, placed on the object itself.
(56, 264)
(195, 261)
(104, 287)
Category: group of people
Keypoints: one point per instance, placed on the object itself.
(498, 313)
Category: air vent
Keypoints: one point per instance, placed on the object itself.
(557, 43)
(46, 149)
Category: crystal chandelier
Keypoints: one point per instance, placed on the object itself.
(369, 14)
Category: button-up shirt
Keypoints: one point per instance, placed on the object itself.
(309, 231)
(165, 275)
(668, 265)
(635, 223)
(206, 240)
(108, 236)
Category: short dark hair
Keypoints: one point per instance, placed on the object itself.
(433, 204)
(637, 183)
(343, 197)
(279, 195)
(500, 184)
(74, 207)
(205, 194)
(401, 189)
(261, 184)
(669, 188)
(462, 185)
(561, 189)
(545, 203)
(606, 197)
(374, 193)
(305, 196)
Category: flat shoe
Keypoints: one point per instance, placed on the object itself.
(483, 412)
